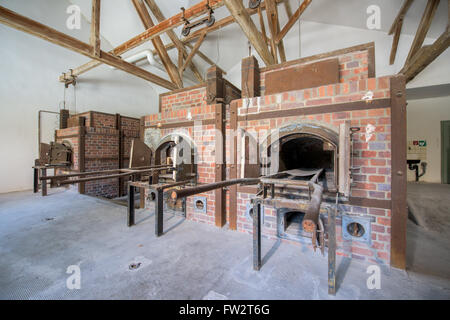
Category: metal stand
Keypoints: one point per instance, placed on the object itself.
(35, 180)
(256, 235)
(158, 190)
(132, 186)
(331, 251)
(159, 212)
(44, 182)
(130, 216)
(318, 231)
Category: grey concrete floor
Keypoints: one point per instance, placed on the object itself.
(429, 204)
(428, 249)
(41, 237)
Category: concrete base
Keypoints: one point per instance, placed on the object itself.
(40, 237)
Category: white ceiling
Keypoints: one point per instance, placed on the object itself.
(352, 13)
(119, 21)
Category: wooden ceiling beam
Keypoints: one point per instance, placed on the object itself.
(95, 27)
(287, 8)
(274, 27)
(193, 52)
(221, 24)
(158, 44)
(218, 25)
(292, 20)
(174, 38)
(241, 16)
(262, 26)
(396, 28)
(14, 20)
(204, 57)
(426, 55)
(272, 21)
(168, 24)
(401, 15)
(423, 28)
(280, 43)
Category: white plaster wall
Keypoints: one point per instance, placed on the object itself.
(424, 123)
(29, 71)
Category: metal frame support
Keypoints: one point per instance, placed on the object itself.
(44, 182)
(331, 251)
(159, 212)
(256, 235)
(35, 180)
(131, 210)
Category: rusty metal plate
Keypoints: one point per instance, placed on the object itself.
(44, 155)
(140, 154)
(60, 154)
(304, 76)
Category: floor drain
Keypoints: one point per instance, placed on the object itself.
(134, 266)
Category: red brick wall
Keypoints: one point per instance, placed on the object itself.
(102, 153)
(175, 108)
(174, 105)
(352, 66)
(373, 156)
(101, 147)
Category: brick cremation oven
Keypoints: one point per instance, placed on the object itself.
(314, 132)
(99, 141)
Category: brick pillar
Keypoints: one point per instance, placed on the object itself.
(250, 83)
(81, 154)
(215, 95)
(214, 85)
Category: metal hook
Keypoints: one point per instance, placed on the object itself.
(183, 17)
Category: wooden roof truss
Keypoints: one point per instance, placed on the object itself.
(419, 56)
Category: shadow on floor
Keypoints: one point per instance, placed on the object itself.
(428, 229)
(342, 271)
(271, 251)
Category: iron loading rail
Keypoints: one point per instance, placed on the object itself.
(311, 220)
(175, 194)
(158, 191)
(187, 192)
(60, 180)
(312, 214)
